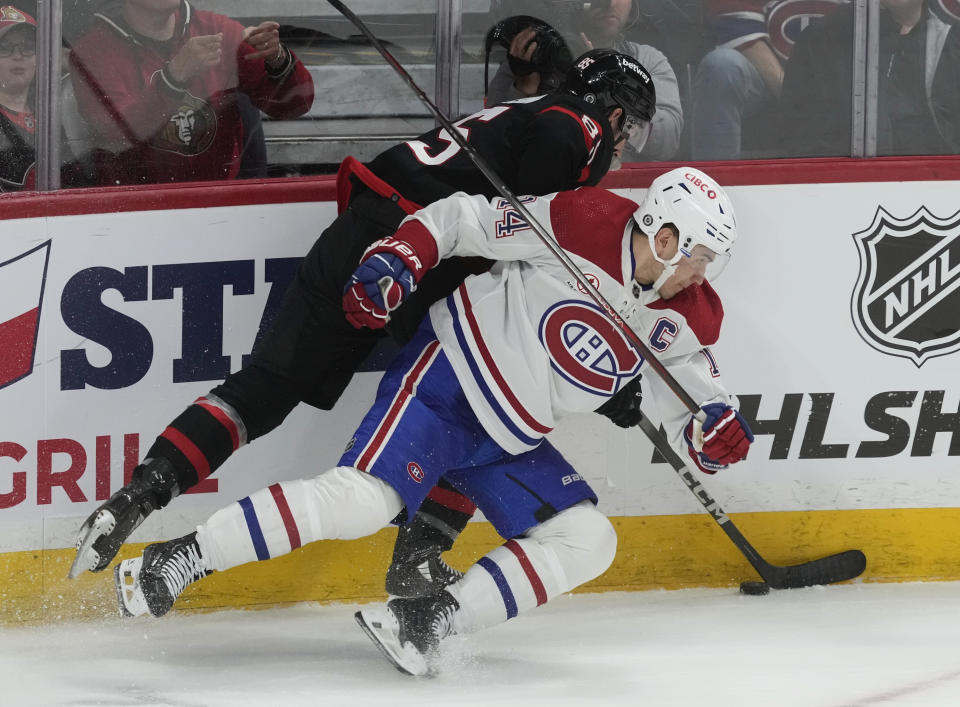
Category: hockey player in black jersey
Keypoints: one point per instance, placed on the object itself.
(537, 146)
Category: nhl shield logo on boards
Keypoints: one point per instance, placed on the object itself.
(907, 298)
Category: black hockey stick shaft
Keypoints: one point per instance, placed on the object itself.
(833, 568)
(507, 194)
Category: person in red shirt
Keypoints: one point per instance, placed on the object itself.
(18, 67)
(159, 83)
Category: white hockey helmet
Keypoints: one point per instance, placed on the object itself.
(700, 210)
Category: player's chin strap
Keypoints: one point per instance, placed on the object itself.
(669, 266)
(668, 271)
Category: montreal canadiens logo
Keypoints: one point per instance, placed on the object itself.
(415, 471)
(586, 348)
(789, 18)
(907, 295)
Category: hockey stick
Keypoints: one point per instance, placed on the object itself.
(842, 566)
(826, 570)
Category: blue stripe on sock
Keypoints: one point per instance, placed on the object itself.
(253, 525)
(508, 601)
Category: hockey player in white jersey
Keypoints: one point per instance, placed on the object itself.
(473, 395)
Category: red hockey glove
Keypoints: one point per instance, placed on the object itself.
(726, 438)
(389, 271)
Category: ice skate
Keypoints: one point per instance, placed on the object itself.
(152, 583)
(130, 599)
(408, 631)
(417, 568)
(108, 527)
(425, 576)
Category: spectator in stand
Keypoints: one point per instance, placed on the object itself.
(18, 67)
(741, 77)
(918, 109)
(599, 27)
(161, 83)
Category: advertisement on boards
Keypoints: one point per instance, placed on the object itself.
(841, 337)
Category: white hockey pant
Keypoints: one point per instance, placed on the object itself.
(573, 547)
(342, 503)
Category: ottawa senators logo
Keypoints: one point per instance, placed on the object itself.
(586, 348)
(190, 130)
(907, 295)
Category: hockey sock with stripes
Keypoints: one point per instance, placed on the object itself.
(442, 516)
(199, 440)
(342, 503)
(573, 547)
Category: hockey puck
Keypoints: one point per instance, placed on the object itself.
(754, 588)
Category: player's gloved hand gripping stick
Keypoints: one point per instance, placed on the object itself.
(835, 568)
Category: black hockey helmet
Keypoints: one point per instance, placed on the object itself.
(611, 80)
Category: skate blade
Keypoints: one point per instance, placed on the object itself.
(87, 558)
(381, 627)
(130, 599)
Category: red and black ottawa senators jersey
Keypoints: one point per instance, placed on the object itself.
(537, 146)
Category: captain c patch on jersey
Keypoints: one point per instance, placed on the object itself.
(907, 295)
(586, 348)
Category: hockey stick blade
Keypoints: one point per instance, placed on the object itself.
(826, 570)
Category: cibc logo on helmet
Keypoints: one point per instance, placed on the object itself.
(907, 295)
(701, 185)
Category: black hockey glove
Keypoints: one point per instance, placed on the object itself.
(623, 409)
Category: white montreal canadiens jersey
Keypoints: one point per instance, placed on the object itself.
(528, 346)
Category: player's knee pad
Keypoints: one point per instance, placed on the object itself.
(571, 548)
(348, 503)
(583, 541)
(342, 503)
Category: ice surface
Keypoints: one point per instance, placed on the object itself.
(862, 644)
